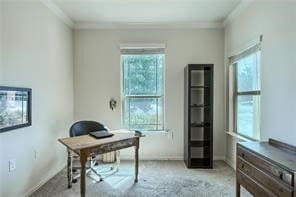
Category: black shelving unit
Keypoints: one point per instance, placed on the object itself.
(198, 128)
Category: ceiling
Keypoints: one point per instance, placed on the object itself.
(123, 12)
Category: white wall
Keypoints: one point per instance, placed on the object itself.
(1, 73)
(97, 79)
(37, 53)
(276, 21)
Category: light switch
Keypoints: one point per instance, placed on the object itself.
(12, 165)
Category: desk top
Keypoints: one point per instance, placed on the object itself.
(86, 141)
(268, 150)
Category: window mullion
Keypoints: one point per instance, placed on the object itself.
(156, 113)
(129, 81)
(129, 113)
(249, 93)
(156, 91)
(235, 99)
(129, 100)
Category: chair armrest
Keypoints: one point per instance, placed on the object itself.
(139, 133)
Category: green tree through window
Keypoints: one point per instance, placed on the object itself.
(143, 91)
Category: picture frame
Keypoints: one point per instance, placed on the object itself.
(15, 108)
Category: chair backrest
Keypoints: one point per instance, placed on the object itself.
(85, 127)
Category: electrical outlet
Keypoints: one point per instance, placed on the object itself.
(12, 165)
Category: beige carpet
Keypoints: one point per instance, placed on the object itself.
(156, 178)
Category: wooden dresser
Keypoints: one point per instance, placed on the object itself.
(266, 168)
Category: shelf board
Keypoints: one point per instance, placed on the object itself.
(200, 106)
(192, 125)
(199, 143)
(200, 163)
(204, 157)
(198, 87)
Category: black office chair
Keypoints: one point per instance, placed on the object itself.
(83, 128)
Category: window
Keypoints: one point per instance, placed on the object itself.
(246, 93)
(143, 93)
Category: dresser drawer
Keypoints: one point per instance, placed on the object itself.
(252, 186)
(271, 183)
(266, 166)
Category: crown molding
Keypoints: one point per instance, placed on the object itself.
(148, 25)
(238, 10)
(58, 12)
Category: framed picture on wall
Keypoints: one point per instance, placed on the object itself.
(15, 108)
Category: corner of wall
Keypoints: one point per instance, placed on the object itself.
(230, 162)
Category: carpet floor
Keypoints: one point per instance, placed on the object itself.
(156, 179)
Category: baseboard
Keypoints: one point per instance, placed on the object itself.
(219, 158)
(152, 158)
(230, 163)
(163, 158)
(35, 188)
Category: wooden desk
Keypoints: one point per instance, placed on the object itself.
(266, 169)
(85, 145)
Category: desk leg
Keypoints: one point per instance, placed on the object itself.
(69, 168)
(83, 159)
(117, 154)
(237, 189)
(136, 160)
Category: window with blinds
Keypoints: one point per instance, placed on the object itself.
(245, 69)
(143, 88)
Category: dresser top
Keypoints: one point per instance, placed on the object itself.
(284, 158)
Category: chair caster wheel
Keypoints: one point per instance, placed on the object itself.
(99, 180)
(74, 181)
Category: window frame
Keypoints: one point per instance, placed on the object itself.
(237, 93)
(162, 96)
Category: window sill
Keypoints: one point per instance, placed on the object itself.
(238, 136)
(153, 133)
